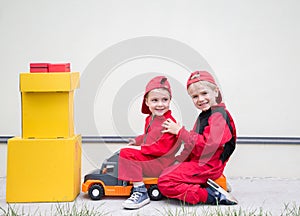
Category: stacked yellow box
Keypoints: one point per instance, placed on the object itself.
(47, 104)
(44, 165)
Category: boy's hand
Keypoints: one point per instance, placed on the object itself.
(132, 142)
(171, 127)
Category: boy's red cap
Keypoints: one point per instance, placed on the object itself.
(203, 76)
(155, 83)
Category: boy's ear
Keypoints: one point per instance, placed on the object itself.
(146, 101)
(217, 91)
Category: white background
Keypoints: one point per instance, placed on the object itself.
(253, 47)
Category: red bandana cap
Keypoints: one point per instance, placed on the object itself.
(155, 83)
(203, 76)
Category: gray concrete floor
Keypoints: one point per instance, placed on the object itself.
(269, 194)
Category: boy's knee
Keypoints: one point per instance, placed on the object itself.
(163, 183)
(127, 153)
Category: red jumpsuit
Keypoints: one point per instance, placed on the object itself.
(157, 151)
(201, 158)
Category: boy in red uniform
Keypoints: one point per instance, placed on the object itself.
(157, 150)
(207, 147)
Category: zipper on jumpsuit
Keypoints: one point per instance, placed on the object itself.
(146, 131)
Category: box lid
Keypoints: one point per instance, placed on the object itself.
(49, 82)
(38, 65)
(62, 67)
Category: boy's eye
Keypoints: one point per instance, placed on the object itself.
(165, 99)
(154, 100)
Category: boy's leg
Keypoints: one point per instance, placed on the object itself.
(138, 198)
(130, 165)
(217, 195)
(133, 165)
(179, 182)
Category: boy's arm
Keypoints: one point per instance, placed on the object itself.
(216, 134)
(139, 139)
(160, 147)
(186, 151)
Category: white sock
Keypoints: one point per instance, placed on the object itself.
(137, 184)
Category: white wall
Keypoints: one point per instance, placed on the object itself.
(251, 46)
(3, 160)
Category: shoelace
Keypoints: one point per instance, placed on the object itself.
(135, 196)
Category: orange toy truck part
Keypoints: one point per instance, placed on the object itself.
(105, 182)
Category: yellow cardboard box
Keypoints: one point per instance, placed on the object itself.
(48, 104)
(49, 82)
(43, 170)
(47, 114)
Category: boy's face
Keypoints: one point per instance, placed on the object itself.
(203, 96)
(158, 101)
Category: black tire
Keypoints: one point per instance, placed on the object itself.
(154, 193)
(96, 192)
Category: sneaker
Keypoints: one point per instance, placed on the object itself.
(218, 196)
(138, 198)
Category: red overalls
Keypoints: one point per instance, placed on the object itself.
(157, 151)
(201, 160)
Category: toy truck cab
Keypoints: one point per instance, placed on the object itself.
(105, 182)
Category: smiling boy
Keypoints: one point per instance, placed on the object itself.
(207, 147)
(157, 150)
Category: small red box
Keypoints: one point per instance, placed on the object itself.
(38, 67)
(63, 67)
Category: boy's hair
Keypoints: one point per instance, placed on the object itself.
(158, 90)
(203, 83)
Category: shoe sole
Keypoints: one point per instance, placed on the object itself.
(221, 190)
(137, 205)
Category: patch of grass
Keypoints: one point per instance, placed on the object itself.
(186, 211)
(75, 209)
(58, 210)
(291, 210)
(180, 211)
(238, 212)
(12, 211)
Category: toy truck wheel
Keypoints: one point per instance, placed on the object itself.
(154, 193)
(96, 191)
